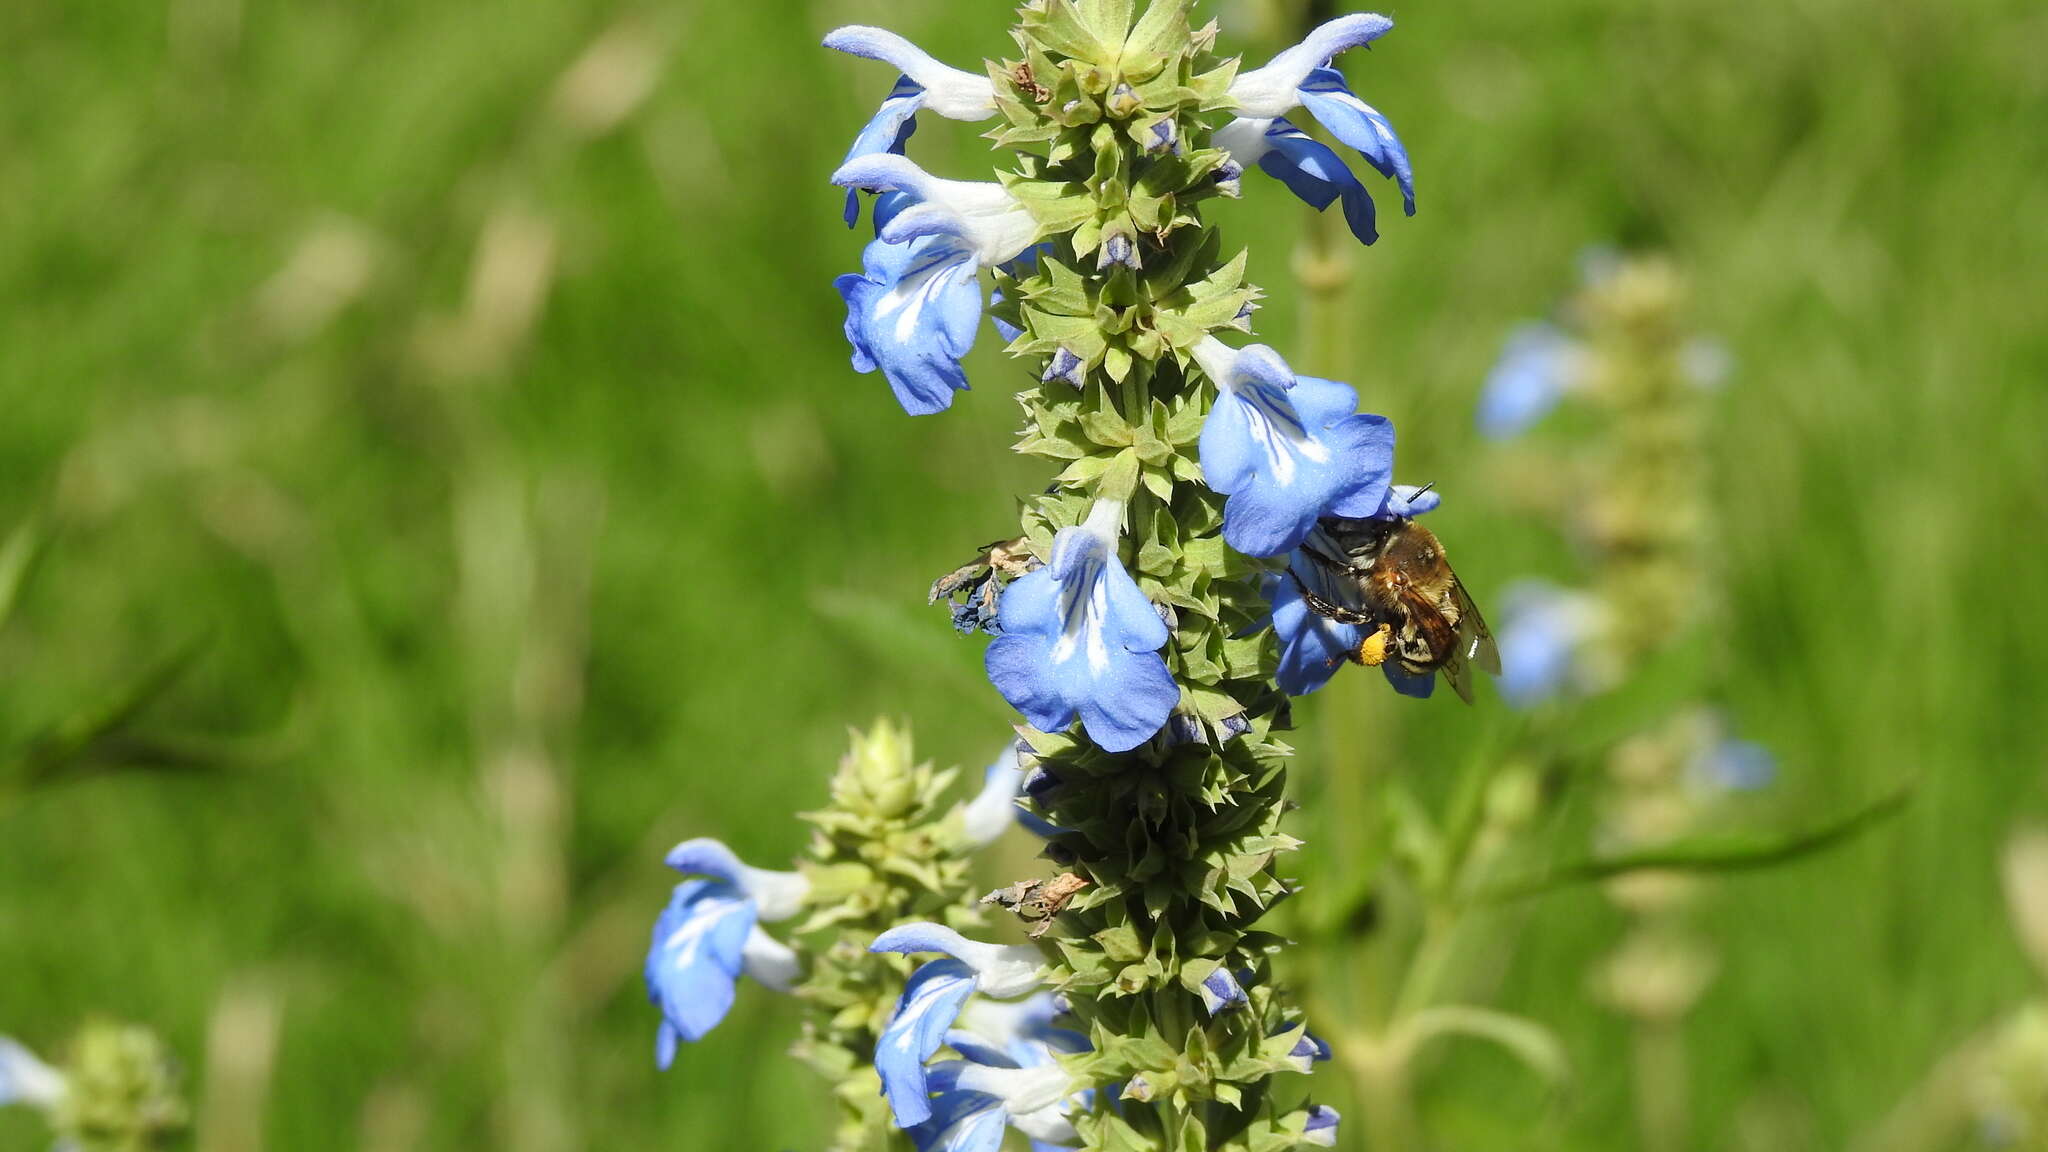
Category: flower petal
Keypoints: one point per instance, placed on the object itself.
(963, 1122)
(1318, 176)
(1321, 1127)
(930, 1003)
(24, 1079)
(952, 93)
(1312, 646)
(1358, 124)
(776, 895)
(994, 809)
(1004, 970)
(697, 953)
(1221, 992)
(1534, 372)
(1272, 90)
(885, 132)
(914, 315)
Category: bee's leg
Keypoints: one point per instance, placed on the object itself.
(1322, 607)
(1348, 567)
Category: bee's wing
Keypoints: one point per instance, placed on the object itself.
(1475, 639)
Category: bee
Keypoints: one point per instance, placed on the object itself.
(1392, 576)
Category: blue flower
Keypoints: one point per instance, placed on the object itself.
(1220, 992)
(1079, 639)
(1287, 449)
(24, 1079)
(931, 1004)
(708, 937)
(1536, 368)
(1307, 166)
(1301, 77)
(1320, 1128)
(1543, 633)
(915, 310)
(1308, 1051)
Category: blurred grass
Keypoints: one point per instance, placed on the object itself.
(242, 378)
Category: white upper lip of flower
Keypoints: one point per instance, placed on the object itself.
(950, 92)
(982, 214)
(1271, 91)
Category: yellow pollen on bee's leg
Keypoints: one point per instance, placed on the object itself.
(1372, 651)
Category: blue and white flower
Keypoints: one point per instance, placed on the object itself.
(994, 809)
(1221, 992)
(1543, 639)
(1301, 77)
(931, 1005)
(975, 1102)
(1308, 1051)
(1080, 640)
(915, 310)
(1321, 1126)
(1537, 366)
(1287, 449)
(1310, 169)
(24, 1079)
(709, 936)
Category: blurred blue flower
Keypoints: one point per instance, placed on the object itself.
(1534, 371)
(1286, 449)
(708, 937)
(1543, 633)
(1301, 77)
(24, 1079)
(915, 310)
(994, 809)
(1079, 639)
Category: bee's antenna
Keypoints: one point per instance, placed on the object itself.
(1424, 488)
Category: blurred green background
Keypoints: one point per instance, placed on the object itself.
(461, 385)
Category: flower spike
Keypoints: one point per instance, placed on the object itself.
(950, 92)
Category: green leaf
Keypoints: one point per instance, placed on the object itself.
(1120, 479)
